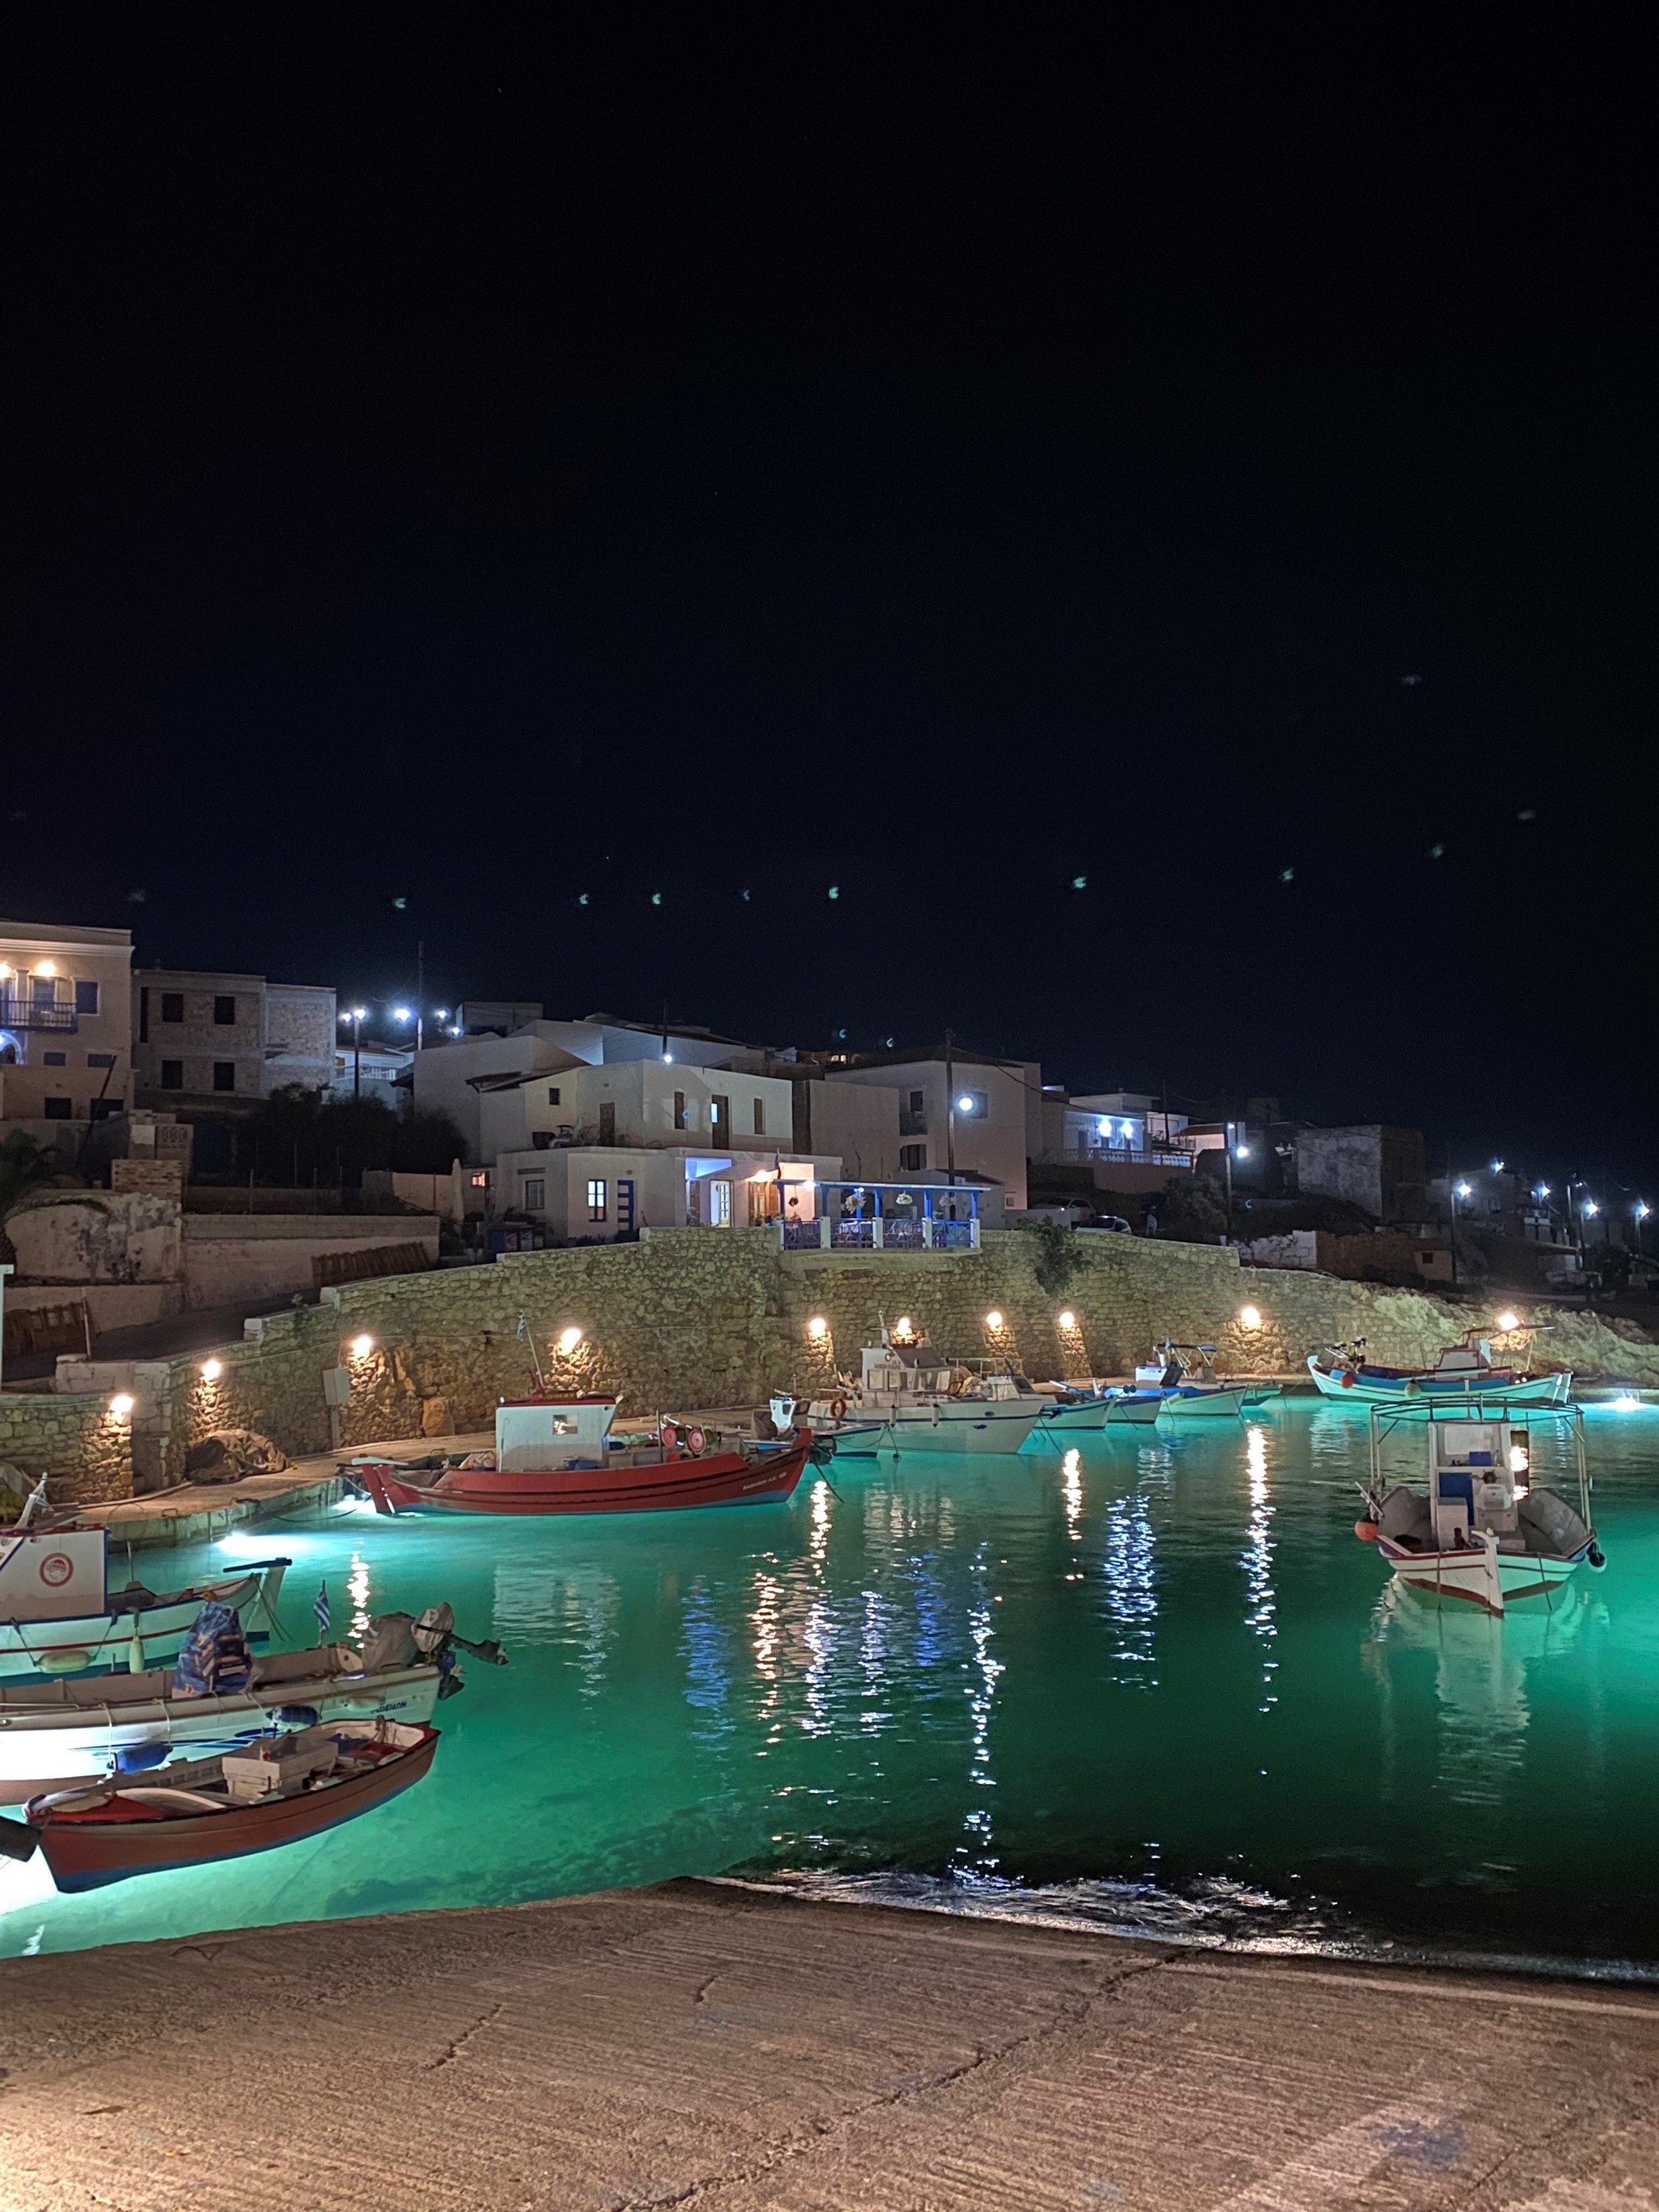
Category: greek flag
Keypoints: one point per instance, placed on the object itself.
(320, 1609)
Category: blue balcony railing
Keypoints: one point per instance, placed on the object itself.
(17, 1013)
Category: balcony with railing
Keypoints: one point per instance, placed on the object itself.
(889, 1217)
(913, 1122)
(28, 1012)
(1111, 1156)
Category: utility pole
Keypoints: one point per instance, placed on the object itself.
(1227, 1157)
(949, 1109)
(357, 1013)
(420, 990)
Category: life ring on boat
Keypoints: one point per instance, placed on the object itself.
(696, 1439)
(667, 1430)
(838, 1409)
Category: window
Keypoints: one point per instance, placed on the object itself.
(608, 1122)
(912, 1156)
(719, 1205)
(596, 1208)
(224, 1075)
(720, 1116)
(57, 1109)
(143, 1015)
(54, 1059)
(86, 998)
(43, 991)
(172, 1006)
(680, 1120)
(760, 1117)
(918, 1102)
(106, 1109)
(100, 1060)
(224, 1012)
(173, 1075)
(533, 1197)
(553, 1095)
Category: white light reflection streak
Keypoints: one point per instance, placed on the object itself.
(981, 1695)
(1261, 1606)
(1129, 1567)
(357, 1591)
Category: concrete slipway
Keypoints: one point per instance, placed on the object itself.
(705, 2045)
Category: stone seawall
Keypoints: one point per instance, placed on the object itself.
(694, 1318)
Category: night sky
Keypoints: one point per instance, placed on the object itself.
(451, 469)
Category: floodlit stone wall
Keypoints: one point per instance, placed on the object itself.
(694, 1318)
(76, 1440)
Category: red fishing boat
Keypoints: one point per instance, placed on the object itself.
(275, 1791)
(556, 1456)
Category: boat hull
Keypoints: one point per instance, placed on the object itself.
(104, 1640)
(1000, 1425)
(47, 1748)
(673, 1484)
(1416, 1389)
(1202, 1404)
(1466, 1577)
(84, 1854)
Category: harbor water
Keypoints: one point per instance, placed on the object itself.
(1153, 1684)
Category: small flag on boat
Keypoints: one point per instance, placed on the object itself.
(320, 1609)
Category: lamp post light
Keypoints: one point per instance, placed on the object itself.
(1640, 1212)
(1459, 1189)
(357, 1014)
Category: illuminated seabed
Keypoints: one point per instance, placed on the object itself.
(1152, 1681)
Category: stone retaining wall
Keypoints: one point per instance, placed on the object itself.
(694, 1318)
(76, 1440)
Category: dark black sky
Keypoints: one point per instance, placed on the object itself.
(453, 462)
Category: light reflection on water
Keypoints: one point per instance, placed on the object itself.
(1003, 1679)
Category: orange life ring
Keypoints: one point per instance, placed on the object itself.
(696, 1439)
(838, 1409)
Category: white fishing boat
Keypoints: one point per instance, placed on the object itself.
(1477, 1532)
(910, 1398)
(59, 1616)
(1462, 1371)
(54, 1735)
(1189, 1390)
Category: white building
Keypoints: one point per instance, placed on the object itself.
(65, 1029)
(605, 1191)
(986, 1114)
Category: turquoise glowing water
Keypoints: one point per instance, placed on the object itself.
(1160, 1685)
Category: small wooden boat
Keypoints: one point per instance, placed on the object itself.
(548, 1459)
(55, 1735)
(1479, 1533)
(1465, 1371)
(277, 1790)
(59, 1616)
(914, 1398)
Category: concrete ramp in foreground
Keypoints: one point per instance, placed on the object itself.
(697, 2045)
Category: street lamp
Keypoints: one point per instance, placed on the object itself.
(358, 1014)
(1459, 1189)
(1641, 1209)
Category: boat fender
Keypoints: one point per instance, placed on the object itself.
(838, 1409)
(1596, 1556)
(1366, 1531)
(696, 1439)
(17, 1839)
(1347, 1378)
(139, 1757)
(667, 1430)
(296, 1716)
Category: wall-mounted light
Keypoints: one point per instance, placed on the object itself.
(817, 1327)
(1068, 1319)
(45, 967)
(120, 1405)
(569, 1339)
(994, 1319)
(1249, 1317)
(1506, 1322)
(964, 1104)
(362, 1347)
(212, 1370)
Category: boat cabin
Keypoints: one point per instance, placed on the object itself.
(540, 1435)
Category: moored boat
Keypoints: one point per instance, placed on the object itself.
(1188, 1387)
(278, 1790)
(59, 1616)
(556, 1455)
(1479, 1531)
(54, 1735)
(1462, 1371)
(916, 1399)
